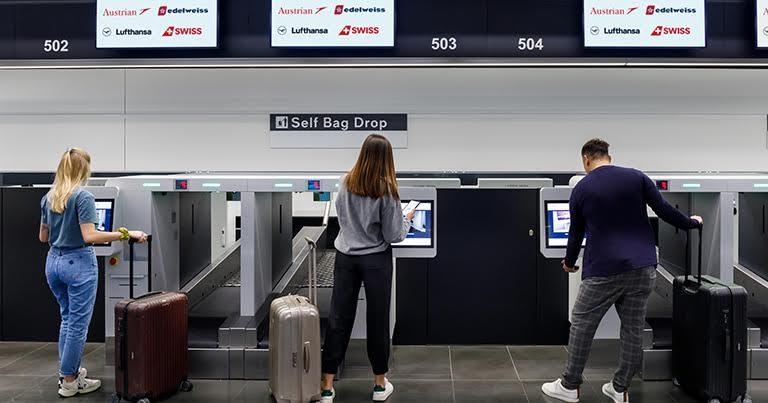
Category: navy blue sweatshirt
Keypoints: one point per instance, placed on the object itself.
(609, 204)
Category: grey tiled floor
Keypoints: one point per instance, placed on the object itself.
(457, 374)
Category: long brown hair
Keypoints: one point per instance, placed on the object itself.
(74, 169)
(374, 172)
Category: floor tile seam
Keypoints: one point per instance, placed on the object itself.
(36, 386)
(25, 355)
(453, 381)
(518, 375)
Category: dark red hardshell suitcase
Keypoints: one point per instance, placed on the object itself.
(150, 344)
(709, 346)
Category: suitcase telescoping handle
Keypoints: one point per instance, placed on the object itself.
(312, 270)
(131, 258)
(689, 263)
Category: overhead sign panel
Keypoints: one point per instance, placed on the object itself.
(762, 23)
(317, 130)
(156, 24)
(346, 23)
(649, 24)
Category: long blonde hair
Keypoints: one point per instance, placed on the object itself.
(74, 169)
(374, 173)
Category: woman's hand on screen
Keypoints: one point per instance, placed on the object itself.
(410, 215)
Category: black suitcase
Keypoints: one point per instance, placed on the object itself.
(709, 343)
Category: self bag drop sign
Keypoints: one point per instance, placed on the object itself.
(335, 130)
(644, 23)
(156, 24)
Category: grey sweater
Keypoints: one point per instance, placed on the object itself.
(368, 225)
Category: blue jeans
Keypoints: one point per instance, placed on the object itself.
(73, 278)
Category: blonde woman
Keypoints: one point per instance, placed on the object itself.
(68, 223)
(371, 219)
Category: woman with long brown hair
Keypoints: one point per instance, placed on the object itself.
(68, 224)
(371, 219)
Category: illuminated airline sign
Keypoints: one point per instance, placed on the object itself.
(644, 23)
(156, 24)
(345, 23)
(762, 23)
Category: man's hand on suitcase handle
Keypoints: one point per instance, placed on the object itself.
(567, 269)
(698, 219)
(138, 236)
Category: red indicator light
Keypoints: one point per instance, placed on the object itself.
(662, 185)
(182, 184)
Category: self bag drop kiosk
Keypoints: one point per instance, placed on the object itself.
(751, 267)
(706, 195)
(231, 287)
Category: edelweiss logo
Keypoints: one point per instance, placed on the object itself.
(162, 10)
(650, 10)
(339, 9)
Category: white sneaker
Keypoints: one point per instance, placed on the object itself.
(80, 386)
(617, 397)
(558, 391)
(381, 394)
(81, 373)
(327, 396)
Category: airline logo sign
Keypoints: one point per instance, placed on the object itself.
(156, 24)
(333, 23)
(645, 23)
(762, 23)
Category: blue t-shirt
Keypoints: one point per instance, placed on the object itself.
(64, 229)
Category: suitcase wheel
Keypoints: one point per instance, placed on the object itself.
(186, 386)
(714, 401)
(676, 382)
(746, 399)
(144, 400)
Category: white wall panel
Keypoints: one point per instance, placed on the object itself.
(461, 142)
(552, 142)
(35, 143)
(446, 90)
(61, 91)
(217, 142)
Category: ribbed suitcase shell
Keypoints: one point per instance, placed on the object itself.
(294, 350)
(151, 346)
(709, 345)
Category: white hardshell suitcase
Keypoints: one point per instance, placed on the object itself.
(294, 346)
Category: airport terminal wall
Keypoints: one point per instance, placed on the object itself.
(460, 119)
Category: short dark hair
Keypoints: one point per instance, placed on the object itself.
(595, 148)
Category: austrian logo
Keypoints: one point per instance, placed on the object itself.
(124, 12)
(664, 31)
(300, 11)
(179, 31)
(350, 30)
(612, 11)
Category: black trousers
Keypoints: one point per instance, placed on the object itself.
(350, 272)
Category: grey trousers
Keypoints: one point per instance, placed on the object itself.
(629, 292)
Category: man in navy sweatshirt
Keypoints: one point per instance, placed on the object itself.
(609, 205)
